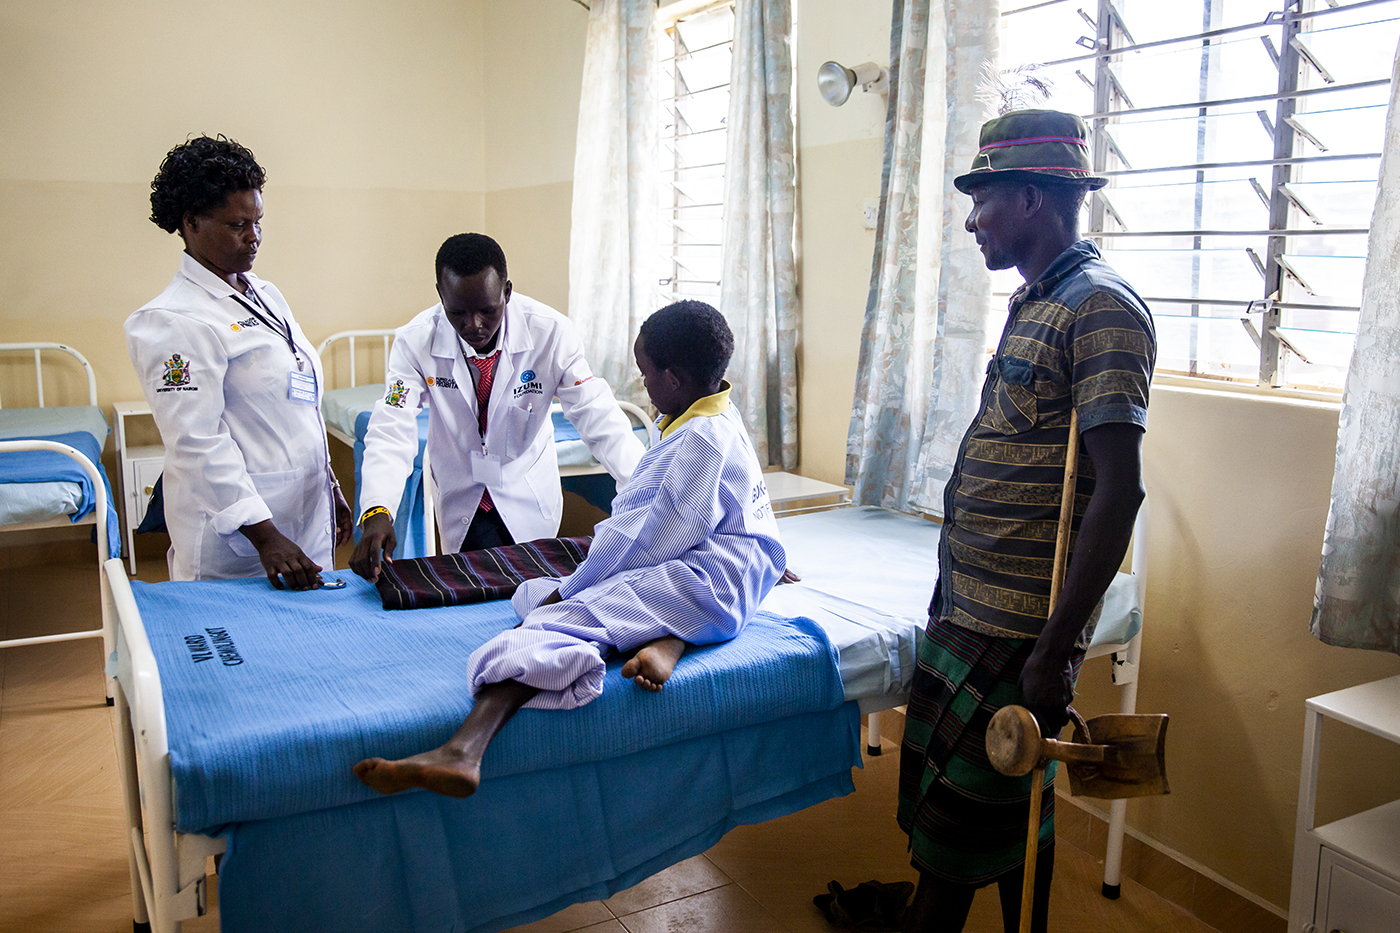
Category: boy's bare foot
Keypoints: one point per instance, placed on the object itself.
(440, 771)
(652, 665)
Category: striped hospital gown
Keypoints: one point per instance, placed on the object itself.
(691, 549)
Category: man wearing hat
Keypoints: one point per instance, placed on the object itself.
(1077, 339)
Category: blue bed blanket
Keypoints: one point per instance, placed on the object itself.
(271, 696)
(45, 466)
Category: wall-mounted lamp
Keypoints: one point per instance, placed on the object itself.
(835, 81)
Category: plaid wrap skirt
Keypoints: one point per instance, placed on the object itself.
(966, 822)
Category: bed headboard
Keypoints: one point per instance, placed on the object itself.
(386, 336)
(35, 348)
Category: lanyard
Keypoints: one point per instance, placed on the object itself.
(280, 328)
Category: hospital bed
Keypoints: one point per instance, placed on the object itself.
(39, 488)
(347, 408)
(320, 842)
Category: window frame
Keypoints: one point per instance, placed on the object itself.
(1286, 223)
(669, 17)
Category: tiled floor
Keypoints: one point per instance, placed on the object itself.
(63, 868)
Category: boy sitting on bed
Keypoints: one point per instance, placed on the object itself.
(690, 551)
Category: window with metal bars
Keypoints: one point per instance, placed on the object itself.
(694, 52)
(1242, 140)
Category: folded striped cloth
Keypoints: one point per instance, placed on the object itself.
(476, 576)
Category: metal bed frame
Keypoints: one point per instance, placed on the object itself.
(97, 518)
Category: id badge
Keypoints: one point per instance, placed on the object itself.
(301, 387)
(486, 469)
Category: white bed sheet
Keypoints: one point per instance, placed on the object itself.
(867, 578)
(341, 407)
(37, 502)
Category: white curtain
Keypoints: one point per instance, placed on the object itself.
(758, 291)
(613, 239)
(922, 356)
(1358, 588)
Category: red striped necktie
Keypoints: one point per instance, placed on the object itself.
(486, 369)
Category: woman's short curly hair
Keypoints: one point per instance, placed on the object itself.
(198, 175)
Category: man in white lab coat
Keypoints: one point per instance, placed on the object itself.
(487, 363)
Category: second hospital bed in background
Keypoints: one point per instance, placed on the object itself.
(41, 488)
(867, 575)
(347, 407)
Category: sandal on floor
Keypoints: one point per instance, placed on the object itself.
(870, 907)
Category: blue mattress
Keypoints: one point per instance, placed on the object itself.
(39, 485)
(271, 697)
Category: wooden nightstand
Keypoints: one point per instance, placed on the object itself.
(138, 468)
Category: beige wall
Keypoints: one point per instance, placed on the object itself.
(840, 151)
(355, 109)
(535, 66)
(1238, 486)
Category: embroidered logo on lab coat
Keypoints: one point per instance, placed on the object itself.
(442, 382)
(239, 325)
(527, 376)
(528, 388)
(397, 393)
(177, 371)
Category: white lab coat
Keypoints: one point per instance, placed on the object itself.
(541, 357)
(238, 450)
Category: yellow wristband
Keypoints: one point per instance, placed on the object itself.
(377, 510)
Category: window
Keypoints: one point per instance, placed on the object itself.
(693, 50)
(1242, 139)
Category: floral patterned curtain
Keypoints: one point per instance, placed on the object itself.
(758, 291)
(922, 355)
(612, 242)
(1358, 588)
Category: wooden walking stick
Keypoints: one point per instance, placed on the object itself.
(1130, 762)
(1057, 582)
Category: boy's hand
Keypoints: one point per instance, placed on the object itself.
(551, 599)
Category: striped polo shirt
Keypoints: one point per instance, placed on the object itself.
(1078, 336)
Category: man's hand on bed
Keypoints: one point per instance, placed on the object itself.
(281, 557)
(377, 543)
(789, 577)
(344, 518)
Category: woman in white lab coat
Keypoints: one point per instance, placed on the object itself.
(235, 387)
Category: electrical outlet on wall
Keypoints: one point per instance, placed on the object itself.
(870, 212)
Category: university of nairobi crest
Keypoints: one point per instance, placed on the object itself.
(177, 371)
(397, 393)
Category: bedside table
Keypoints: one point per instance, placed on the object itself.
(138, 468)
